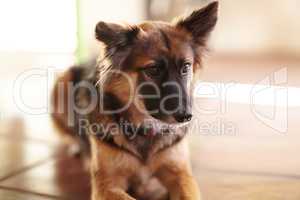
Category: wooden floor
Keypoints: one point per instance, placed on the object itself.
(255, 163)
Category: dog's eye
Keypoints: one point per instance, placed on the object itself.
(185, 69)
(152, 71)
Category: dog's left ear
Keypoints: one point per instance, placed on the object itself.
(201, 22)
(115, 35)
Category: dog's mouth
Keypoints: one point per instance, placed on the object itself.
(152, 127)
(159, 124)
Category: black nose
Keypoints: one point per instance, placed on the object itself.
(183, 117)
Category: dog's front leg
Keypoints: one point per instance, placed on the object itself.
(181, 184)
(185, 188)
(108, 189)
(111, 194)
(175, 173)
(110, 172)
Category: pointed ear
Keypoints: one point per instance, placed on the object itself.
(115, 35)
(201, 22)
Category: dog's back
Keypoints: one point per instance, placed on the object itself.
(65, 95)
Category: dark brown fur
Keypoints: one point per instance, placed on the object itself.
(140, 167)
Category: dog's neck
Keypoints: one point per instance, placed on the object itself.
(141, 146)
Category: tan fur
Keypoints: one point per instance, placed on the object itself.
(112, 170)
(149, 167)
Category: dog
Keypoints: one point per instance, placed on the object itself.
(131, 110)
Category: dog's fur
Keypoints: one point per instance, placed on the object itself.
(142, 167)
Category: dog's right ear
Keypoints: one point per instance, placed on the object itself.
(115, 35)
(201, 22)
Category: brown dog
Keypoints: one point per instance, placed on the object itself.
(130, 111)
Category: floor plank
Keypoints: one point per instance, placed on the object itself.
(63, 177)
(231, 186)
(17, 195)
(18, 155)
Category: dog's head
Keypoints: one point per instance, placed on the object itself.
(147, 69)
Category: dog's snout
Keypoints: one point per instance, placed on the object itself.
(183, 117)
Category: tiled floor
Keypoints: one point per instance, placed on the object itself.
(37, 168)
(255, 163)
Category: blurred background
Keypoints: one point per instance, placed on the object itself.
(248, 99)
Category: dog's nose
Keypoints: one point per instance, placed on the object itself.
(183, 117)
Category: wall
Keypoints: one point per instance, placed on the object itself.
(258, 26)
(93, 11)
